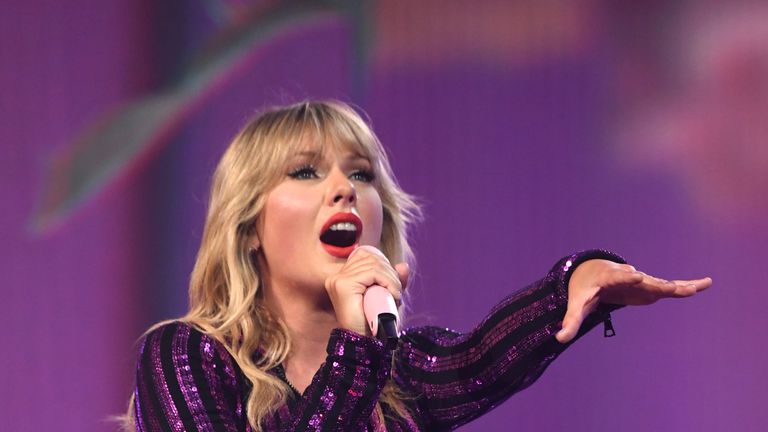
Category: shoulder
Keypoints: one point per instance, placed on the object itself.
(180, 345)
(176, 336)
(185, 379)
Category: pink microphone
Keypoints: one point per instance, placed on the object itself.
(381, 313)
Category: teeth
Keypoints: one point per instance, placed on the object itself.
(343, 226)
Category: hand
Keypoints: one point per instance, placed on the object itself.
(366, 266)
(602, 281)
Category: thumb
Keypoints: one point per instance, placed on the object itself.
(403, 271)
(574, 316)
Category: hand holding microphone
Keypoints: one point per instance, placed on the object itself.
(365, 294)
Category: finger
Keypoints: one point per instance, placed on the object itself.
(378, 276)
(703, 283)
(627, 267)
(372, 270)
(368, 250)
(625, 276)
(677, 288)
(403, 272)
(661, 287)
(363, 261)
(699, 284)
(367, 261)
(393, 283)
(574, 316)
(389, 279)
(360, 254)
(687, 288)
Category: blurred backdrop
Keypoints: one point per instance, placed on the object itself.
(528, 130)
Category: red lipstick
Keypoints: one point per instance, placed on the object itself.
(348, 241)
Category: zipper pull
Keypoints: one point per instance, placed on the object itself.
(608, 330)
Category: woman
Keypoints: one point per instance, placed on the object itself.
(276, 339)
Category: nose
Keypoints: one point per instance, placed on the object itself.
(340, 189)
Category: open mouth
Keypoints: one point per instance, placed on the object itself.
(341, 234)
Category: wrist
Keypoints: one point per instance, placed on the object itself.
(357, 326)
(341, 338)
(564, 269)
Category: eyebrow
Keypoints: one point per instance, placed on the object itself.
(313, 154)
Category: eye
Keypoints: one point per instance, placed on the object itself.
(305, 172)
(365, 176)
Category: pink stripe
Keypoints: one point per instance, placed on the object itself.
(465, 359)
(186, 381)
(141, 387)
(161, 384)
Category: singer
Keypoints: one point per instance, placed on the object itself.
(276, 338)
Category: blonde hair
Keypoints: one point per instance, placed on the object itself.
(224, 290)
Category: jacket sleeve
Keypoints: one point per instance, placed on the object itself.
(456, 377)
(187, 381)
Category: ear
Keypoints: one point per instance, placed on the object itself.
(253, 243)
(252, 234)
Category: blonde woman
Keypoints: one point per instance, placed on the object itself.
(275, 337)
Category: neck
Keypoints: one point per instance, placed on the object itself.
(309, 321)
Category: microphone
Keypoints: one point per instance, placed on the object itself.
(381, 313)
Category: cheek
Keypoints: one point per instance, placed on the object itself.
(288, 218)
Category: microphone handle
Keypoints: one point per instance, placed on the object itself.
(381, 314)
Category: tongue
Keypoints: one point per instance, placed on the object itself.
(340, 238)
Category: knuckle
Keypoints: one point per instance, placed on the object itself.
(360, 253)
(397, 285)
(358, 256)
(387, 276)
(369, 251)
(330, 283)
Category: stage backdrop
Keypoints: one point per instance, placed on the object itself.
(528, 130)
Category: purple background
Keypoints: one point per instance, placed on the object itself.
(524, 130)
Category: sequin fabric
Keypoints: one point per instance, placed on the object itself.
(187, 381)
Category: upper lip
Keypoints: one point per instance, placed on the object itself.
(343, 217)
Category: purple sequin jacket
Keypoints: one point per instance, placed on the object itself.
(187, 381)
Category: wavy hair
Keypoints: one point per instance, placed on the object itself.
(225, 286)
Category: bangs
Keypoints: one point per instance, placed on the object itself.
(342, 129)
(316, 128)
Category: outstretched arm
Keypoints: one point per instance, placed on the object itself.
(457, 377)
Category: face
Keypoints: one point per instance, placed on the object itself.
(323, 208)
